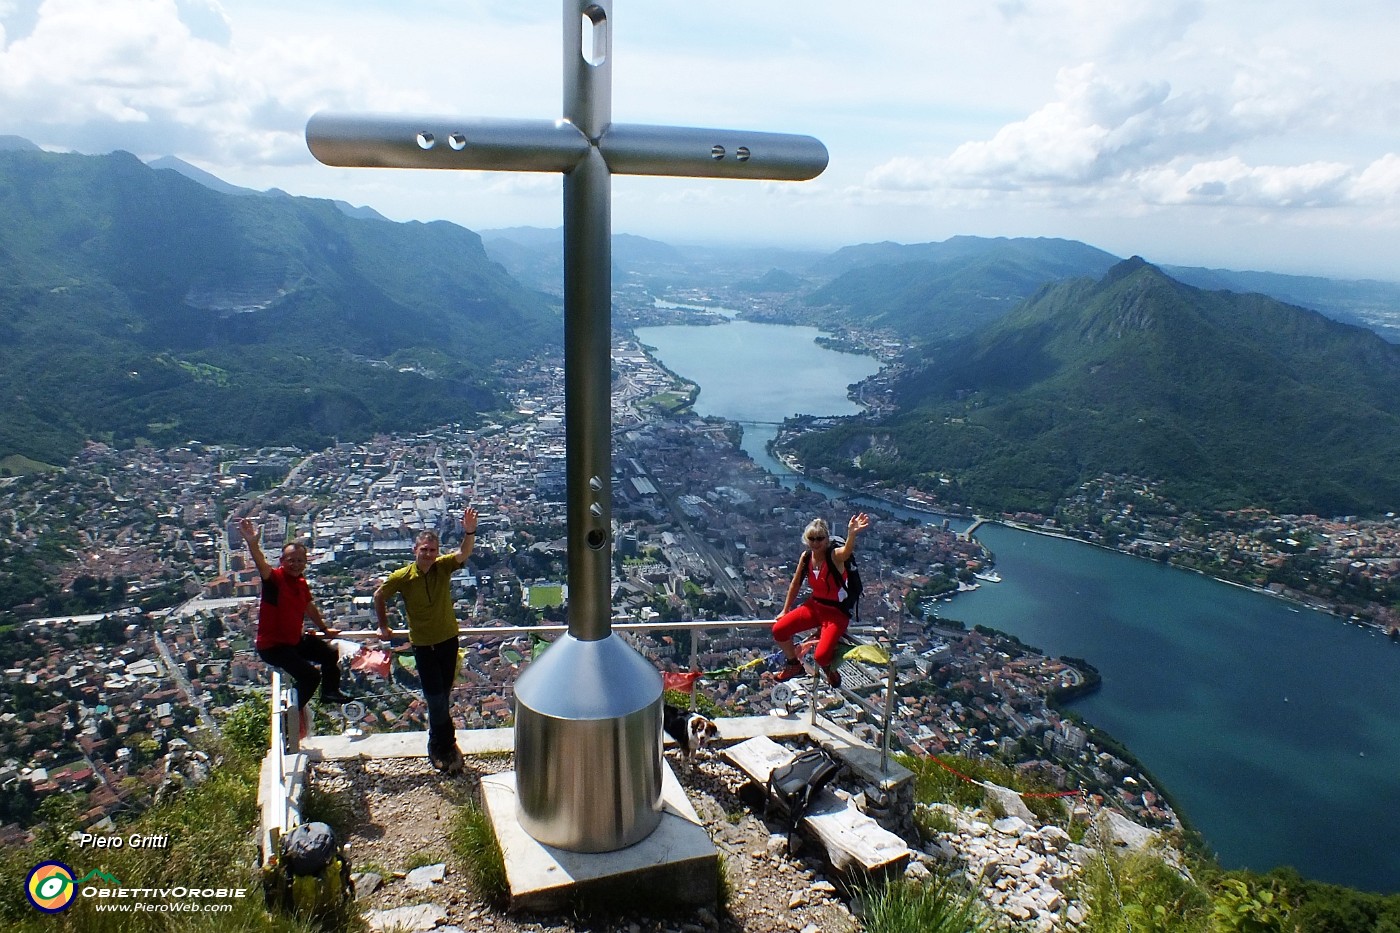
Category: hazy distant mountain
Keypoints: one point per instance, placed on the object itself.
(19, 143)
(193, 173)
(535, 256)
(215, 183)
(1231, 400)
(774, 281)
(931, 291)
(1060, 256)
(1365, 302)
(531, 238)
(136, 303)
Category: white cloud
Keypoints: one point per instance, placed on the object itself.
(1007, 118)
(1232, 182)
(1380, 182)
(120, 70)
(1141, 142)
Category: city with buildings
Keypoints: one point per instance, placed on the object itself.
(142, 638)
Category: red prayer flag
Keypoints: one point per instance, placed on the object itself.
(684, 681)
(373, 661)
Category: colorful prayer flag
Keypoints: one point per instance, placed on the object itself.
(372, 661)
(683, 681)
(870, 654)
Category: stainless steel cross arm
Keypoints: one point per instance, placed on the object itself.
(634, 149)
(390, 141)
(483, 143)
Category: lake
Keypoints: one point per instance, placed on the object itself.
(1275, 728)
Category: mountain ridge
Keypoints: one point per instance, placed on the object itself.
(1136, 373)
(173, 310)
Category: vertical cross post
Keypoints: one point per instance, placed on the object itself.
(588, 323)
(588, 711)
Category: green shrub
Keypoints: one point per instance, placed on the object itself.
(1241, 907)
(935, 783)
(703, 704)
(247, 730)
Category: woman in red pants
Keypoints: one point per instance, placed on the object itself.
(824, 569)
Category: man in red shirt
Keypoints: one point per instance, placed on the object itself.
(285, 604)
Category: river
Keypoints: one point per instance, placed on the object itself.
(1275, 728)
(759, 374)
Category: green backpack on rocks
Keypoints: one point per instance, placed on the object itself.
(310, 876)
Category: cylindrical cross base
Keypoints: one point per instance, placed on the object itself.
(588, 745)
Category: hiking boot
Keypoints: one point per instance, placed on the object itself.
(791, 669)
(454, 762)
(437, 759)
(334, 696)
(833, 676)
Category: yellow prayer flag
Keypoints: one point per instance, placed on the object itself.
(870, 654)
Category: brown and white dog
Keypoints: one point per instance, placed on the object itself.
(691, 731)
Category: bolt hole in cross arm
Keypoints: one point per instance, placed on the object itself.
(481, 143)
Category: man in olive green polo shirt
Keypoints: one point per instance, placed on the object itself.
(426, 588)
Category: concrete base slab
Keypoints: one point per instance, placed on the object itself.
(405, 744)
(676, 866)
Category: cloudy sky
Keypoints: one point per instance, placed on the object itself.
(1248, 134)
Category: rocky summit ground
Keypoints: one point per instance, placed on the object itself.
(400, 814)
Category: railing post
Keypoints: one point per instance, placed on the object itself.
(694, 663)
(291, 713)
(889, 715)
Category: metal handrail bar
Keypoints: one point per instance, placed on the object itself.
(279, 737)
(478, 631)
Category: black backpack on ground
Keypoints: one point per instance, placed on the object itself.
(791, 787)
(311, 874)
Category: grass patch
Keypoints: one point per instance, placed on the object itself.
(336, 810)
(212, 833)
(936, 906)
(1139, 892)
(20, 465)
(422, 859)
(725, 886)
(703, 704)
(670, 403)
(935, 783)
(548, 596)
(932, 822)
(475, 847)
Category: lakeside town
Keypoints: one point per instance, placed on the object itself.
(104, 702)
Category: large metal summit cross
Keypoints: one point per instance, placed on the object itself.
(588, 711)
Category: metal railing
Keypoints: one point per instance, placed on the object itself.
(280, 813)
(284, 738)
(693, 626)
